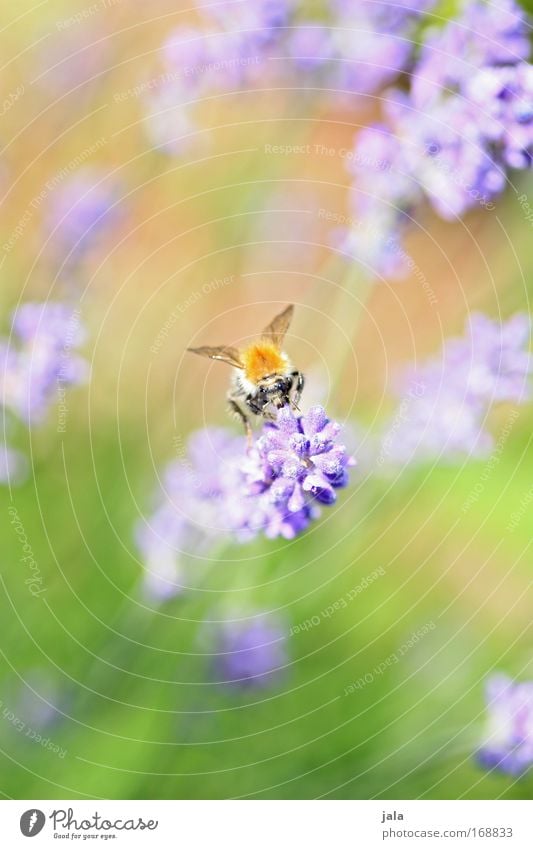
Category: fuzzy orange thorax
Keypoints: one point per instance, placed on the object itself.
(262, 359)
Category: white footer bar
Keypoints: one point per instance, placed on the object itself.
(268, 824)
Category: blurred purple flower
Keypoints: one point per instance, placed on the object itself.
(210, 60)
(42, 358)
(261, 18)
(508, 740)
(467, 117)
(484, 34)
(354, 48)
(381, 198)
(374, 41)
(310, 45)
(494, 360)
(444, 403)
(250, 653)
(504, 97)
(40, 700)
(446, 153)
(13, 465)
(83, 208)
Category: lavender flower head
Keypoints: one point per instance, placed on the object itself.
(296, 466)
(250, 653)
(508, 738)
(220, 490)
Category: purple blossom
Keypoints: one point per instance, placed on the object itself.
(13, 465)
(310, 46)
(298, 464)
(250, 653)
(41, 358)
(391, 15)
(261, 18)
(355, 48)
(365, 57)
(444, 402)
(494, 360)
(445, 152)
(484, 34)
(40, 701)
(83, 209)
(504, 97)
(450, 139)
(380, 200)
(210, 60)
(220, 490)
(508, 740)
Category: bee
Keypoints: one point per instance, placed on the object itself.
(264, 380)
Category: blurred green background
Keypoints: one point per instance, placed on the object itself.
(135, 711)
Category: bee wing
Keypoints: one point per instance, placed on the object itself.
(276, 330)
(224, 353)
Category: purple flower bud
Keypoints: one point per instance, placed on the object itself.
(508, 740)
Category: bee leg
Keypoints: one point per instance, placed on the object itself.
(237, 410)
(298, 386)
